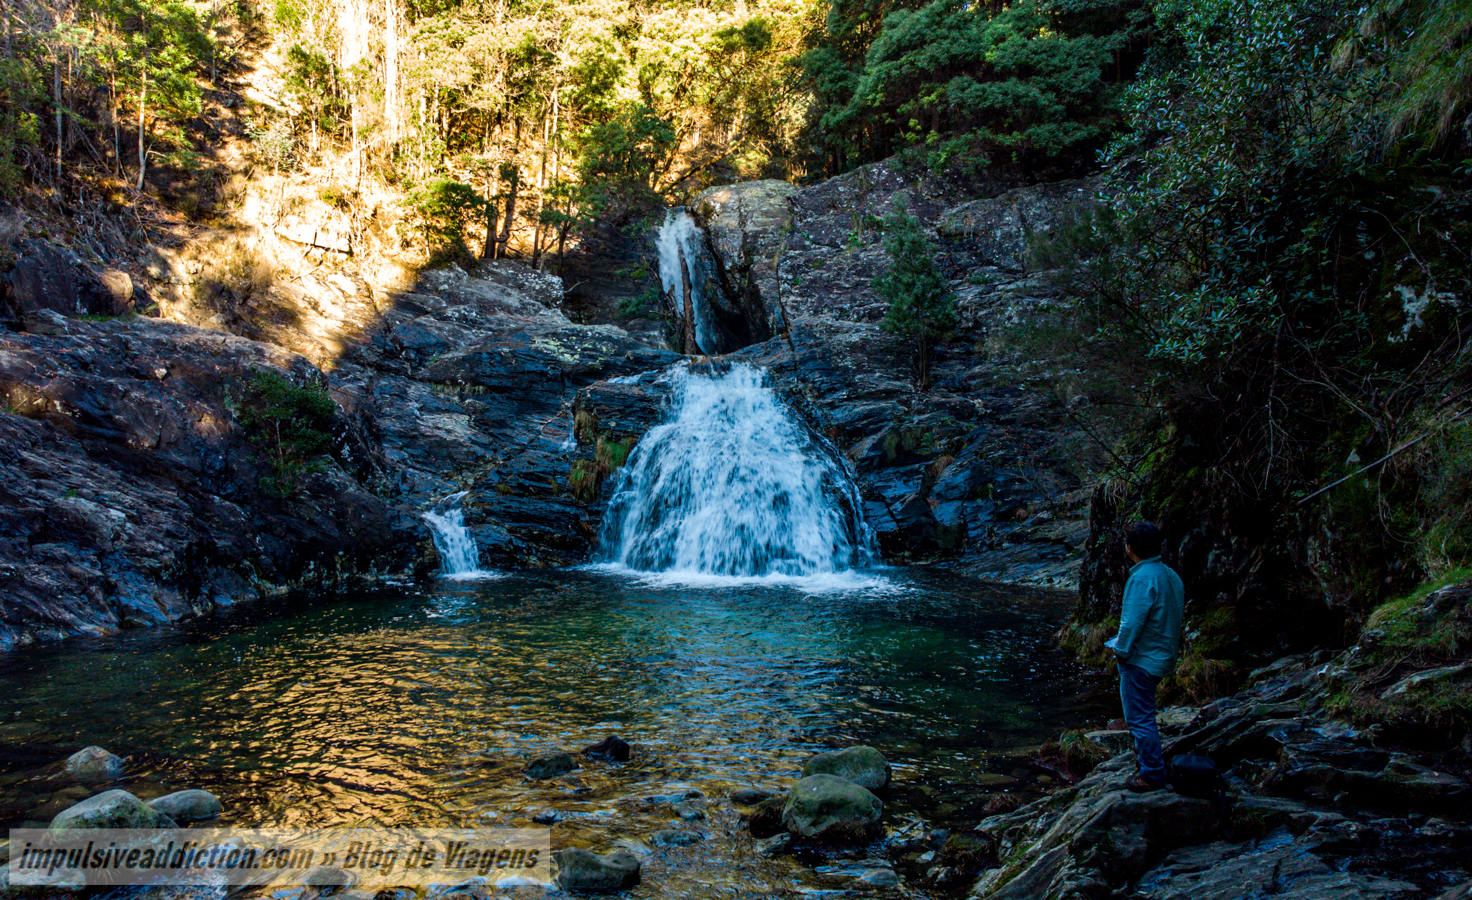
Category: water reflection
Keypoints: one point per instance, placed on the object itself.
(409, 705)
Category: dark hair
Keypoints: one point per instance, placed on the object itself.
(1143, 538)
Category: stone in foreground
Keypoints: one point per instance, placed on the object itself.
(110, 809)
(188, 806)
(551, 765)
(587, 872)
(864, 766)
(831, 809)
(93, 764)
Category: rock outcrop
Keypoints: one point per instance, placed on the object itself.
(976, 467)
(136, 494)
(1313, 808)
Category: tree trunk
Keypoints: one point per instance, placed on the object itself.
(510, 210)
(142, 147)
(56, 99)
(391, 73)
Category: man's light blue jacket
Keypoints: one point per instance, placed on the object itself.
(1150, 620)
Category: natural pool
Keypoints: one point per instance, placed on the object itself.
(420, 704)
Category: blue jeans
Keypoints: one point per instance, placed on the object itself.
(1137, 693)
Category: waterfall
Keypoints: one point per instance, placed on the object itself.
(683, 268)
(458, 552)
(732, 485)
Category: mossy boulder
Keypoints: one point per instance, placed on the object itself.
(110, 809)
(862, 765)
(830, 809)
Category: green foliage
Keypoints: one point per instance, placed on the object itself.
(1272, 278)
(1420, 46)
(921, 306)
(444, 208)
(314, 82)
(624, 156)
(1024, 82)
(292, 425)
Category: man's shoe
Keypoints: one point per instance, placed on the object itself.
(1140, 784)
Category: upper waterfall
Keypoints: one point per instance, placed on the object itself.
(733, 485)
(684, 272)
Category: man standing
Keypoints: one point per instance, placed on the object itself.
(1147, 646)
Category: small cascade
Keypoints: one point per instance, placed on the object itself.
(458, 552)
(733, 485)
(685, 273)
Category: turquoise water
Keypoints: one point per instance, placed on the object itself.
(420, 704)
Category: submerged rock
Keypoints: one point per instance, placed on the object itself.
(612, 748)
(93, 764)
(862, 765)
(191, 805)
(588, 872)
(328, 878)
(674, 837)
(750, 796)
(766, 820)
(551, 765)
(831, 809)
(110, 809)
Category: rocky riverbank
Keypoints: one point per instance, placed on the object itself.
(1312, 806)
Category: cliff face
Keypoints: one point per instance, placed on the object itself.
(978, 469)
(134, 495)
(152, 482)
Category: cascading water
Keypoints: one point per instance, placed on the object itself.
(683, 264)
(733, 485)
(458, 552)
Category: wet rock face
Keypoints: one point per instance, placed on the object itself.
(471, 381)
(135, 496)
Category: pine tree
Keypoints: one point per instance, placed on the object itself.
(921, 306)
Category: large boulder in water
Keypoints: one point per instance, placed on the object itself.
(862, 765)
(110, 809)
(550, 766)
(587, 872)
(188, 806)
(93, 764)
(830, 809)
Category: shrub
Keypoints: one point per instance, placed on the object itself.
(292, 425)
(921, 306)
